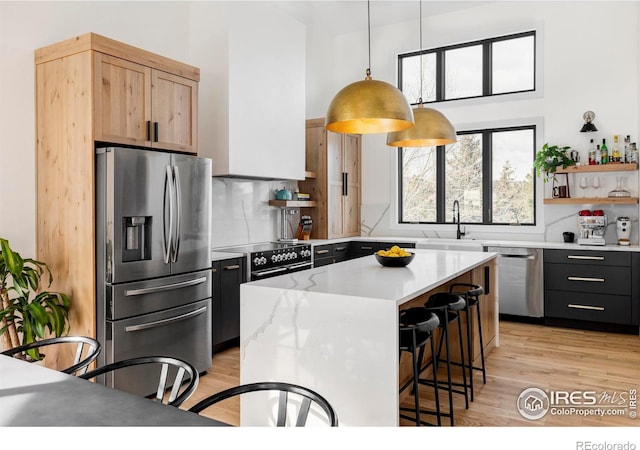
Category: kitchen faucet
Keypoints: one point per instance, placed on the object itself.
(456, 219)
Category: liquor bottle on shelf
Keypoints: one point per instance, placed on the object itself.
(625, 155)
(598, 155)
(633, 153)
(604, 152)
(592, 154)
(615, 151)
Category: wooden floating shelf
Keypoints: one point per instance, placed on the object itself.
(309, 174)
(293, 203)
(611, 167)
(592, 201)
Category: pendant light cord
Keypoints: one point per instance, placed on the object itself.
(421, 53)
(369, 35)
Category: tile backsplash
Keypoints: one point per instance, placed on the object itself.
(241, 213)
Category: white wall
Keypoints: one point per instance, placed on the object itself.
(25, 26)
(185, 31)
(589, 62)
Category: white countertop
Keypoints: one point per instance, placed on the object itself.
(221, 256)
(485, 243)
(366, 278)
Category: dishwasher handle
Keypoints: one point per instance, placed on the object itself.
(518, 256)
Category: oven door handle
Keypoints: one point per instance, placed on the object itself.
(269, 272)
(159, 323)
(296, 266)
(165, 287)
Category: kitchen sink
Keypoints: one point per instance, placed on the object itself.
(470, 245)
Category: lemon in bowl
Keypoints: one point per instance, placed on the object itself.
(394, 257)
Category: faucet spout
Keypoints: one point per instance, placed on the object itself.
(456, 219)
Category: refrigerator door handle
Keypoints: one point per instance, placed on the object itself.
(159, 323)
(165, 287)
(168, 238)
(176, 241)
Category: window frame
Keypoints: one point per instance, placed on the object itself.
(487, 75)
(487, 179)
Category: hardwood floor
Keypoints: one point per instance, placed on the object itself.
(548, 358)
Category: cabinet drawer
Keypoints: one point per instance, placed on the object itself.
(322, 251)
(322, 262)
(588, 257)
(592, 307)
(364, 248)
(585, 278)
(341, 251)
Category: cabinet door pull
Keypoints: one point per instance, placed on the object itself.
(232, 267)
(344, 183)
(597, 280)
(148, 130)
(340, 249)
(214, 270)
(365, 247)
(593, 258)
(321, 252)
(155, 131)
(593, 308)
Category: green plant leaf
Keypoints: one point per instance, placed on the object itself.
(38, 313)
(12, 259)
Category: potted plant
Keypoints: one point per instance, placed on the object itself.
(24, 309)
(550, 158)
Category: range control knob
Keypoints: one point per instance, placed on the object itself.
(256, 261)
(263, 260)
(274, 258)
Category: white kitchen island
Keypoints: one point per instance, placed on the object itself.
(334, 328)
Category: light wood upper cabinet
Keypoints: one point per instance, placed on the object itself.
(175, 111)
(122, 101)
(335, 158)
(138, 105)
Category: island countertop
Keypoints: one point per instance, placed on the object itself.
(365, 277)
(334, 329)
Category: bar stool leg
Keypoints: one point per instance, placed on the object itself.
(463, 365)
(415, 380)
(469, 318)
(435, 381)
(446, 343)
(484, 371)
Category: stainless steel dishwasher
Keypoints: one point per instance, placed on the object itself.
(520, 283)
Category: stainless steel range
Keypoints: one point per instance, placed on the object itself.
(271, 259)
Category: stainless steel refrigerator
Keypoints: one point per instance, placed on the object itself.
(153, 274)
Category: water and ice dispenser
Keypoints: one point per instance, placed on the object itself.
(137, 238)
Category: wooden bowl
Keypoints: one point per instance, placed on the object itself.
(398, 261)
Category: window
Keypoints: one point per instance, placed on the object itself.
(490, 172)
(501, 65)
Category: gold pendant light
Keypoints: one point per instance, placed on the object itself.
(431, 127)
(369, 106)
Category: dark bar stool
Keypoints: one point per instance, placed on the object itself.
(416, 328)
(446, 306)
(471, 294)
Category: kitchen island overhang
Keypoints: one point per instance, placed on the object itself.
(334, 328)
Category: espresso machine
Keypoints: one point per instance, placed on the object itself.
(591, 230)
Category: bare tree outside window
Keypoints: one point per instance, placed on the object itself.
(463, 177)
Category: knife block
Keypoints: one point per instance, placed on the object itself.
(304, 228)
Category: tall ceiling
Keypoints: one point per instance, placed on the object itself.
(346, 16)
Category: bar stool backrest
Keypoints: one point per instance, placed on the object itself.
(184, 369)
(86, 346)
(306, 395)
